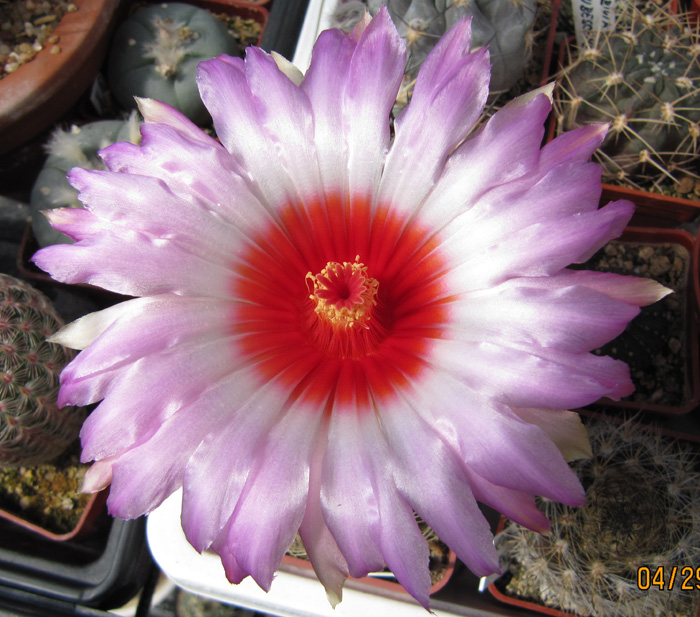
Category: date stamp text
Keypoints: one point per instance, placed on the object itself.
(669, 578)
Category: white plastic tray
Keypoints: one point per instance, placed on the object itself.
(290, 596)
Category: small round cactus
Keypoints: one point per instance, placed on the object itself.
(642, 80)
(641, 520)
(33, 430)
(75, 147)
(155, 54)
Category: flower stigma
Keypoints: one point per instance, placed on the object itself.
(344, 294)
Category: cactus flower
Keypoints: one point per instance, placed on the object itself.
(336, 325)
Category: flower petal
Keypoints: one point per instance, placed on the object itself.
(281, 469)
(449, 96)
(524, 377)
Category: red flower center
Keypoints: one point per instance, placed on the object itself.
(362, 324)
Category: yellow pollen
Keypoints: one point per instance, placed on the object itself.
(344, 294)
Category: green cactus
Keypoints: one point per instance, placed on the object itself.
(33, 430)
(76, 147)
(155, 53)
(645, 81)
(506, 26)
(641, 520)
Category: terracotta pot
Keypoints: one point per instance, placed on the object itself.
(690, 343)
(42, 90)
(94, 512)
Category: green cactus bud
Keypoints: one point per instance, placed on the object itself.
(33, 430)
(644, 82)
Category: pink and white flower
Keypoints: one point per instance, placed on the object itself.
(335, 327)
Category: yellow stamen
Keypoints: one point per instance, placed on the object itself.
(344, 294)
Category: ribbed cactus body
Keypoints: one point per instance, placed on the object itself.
(33, 429)
(641, 519)
(645, 82)
(505, 26)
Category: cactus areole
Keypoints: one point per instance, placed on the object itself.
(156, 51)
(33, 429)
(644, 82)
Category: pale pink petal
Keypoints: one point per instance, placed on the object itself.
(393, 529)
(125, 262)
(325, 84)
(320, 545)
(532, 377)
(563, 427)
(227, 95)
(97, 477)
(518, 506)
(285, 113)
(350, 504)
(281, 468)
(478, 165)
(201, 173)
(494, 443)
(376, 70)
(226, 459)
(147, 473)
(162, 113)
(148, 205)
(569, 318)
(449, 96)
(132, 330)
(145, 394)
(428, 474)
(541, 249)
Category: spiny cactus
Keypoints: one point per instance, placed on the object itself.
(506, 26)
(33, 429)
(643, 79)
(642, 511)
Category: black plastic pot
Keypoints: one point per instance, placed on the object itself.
(82, 577)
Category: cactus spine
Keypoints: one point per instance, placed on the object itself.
(645, 81)
(642, 512)
(33, 430)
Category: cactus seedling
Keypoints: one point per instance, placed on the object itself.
(645, 82)
(641, 519)
(33, 429)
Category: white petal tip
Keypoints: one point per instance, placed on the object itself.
(334, 597)
(291, 71)
(547, 90)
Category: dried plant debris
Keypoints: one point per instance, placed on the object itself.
(46, 495)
